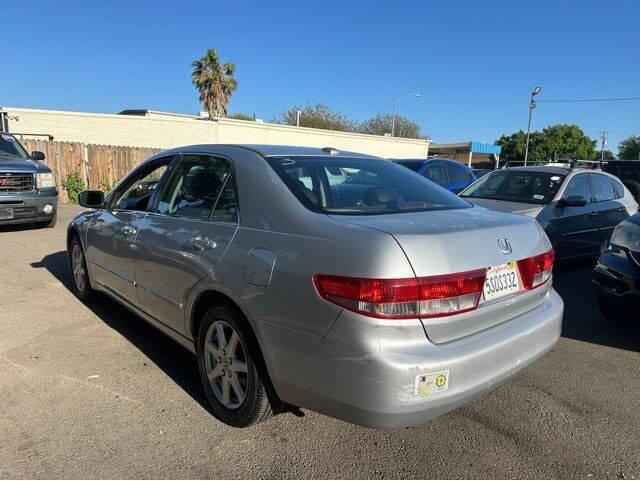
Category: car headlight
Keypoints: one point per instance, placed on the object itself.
(627, 235)
(45, 180)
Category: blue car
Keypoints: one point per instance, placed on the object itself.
(452, 175)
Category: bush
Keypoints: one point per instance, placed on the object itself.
(105, 185)
(73, 184)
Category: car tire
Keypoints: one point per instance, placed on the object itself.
(256, 400)
(79, 272)
(611, 310)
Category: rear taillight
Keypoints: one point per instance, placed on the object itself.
(536, 270)
(432, 296)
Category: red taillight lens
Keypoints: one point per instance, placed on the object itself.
(536, 270)
(404, 298)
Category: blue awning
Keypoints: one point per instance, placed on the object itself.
(480, 148)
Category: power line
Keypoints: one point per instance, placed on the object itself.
(621, 99)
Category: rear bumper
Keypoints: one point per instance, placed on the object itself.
(366, 374)
(29, 207)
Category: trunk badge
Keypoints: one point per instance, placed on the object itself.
(505, 246)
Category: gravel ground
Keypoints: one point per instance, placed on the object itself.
(91, 391)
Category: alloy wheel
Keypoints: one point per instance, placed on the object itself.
(225, 363)
(77, 266)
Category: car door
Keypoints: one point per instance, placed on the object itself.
(571, 228)
(434, 172)
(458, 177)
(186, 234)
(610, 212)
(112, 234)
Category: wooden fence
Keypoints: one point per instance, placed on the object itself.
(100, 166)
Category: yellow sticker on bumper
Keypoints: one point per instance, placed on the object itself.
(431, 383)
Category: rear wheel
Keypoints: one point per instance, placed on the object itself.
(232, 372)
(79, 271)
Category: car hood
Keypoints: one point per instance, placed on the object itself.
(522, 208)
(13, 164)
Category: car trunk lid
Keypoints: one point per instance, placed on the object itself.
(461, 240)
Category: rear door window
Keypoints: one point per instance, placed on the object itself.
(195, 185)
(457, 175)
(602, 188)
(618, 188)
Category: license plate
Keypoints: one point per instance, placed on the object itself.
(6, 214)
(501, 281)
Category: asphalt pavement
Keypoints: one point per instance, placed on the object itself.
(92, 391)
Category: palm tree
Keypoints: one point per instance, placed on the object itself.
(215, 83)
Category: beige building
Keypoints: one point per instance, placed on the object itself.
(146, 128)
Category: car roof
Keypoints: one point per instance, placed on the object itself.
(546, 168)
(428, 159)
(276, 150)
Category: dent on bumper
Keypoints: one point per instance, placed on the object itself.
(366, 375)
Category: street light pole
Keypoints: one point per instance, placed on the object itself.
(393, 115)
(532, 105)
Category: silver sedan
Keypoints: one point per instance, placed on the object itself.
(332, 281)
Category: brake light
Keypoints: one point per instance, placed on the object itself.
(536, 270)
(432, 296)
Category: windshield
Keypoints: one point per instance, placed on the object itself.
(368, 186)
(529, 187)
(9, 147)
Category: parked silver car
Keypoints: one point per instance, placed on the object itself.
(382, 300)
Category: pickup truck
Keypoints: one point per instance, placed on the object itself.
(28, 193)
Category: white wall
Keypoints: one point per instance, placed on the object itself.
(165, 131)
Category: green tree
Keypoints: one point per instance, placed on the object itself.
(381, 125)
(608, 155)
(214, 82)
(514, 145)
(318, 116)
(629, 149)
(568, 141)
(241, 116)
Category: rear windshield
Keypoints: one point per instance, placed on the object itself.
(516, 186)
(360, 186)
(9, 147)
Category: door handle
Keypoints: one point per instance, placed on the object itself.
(201, 243)
(593, 214)
(128, 231)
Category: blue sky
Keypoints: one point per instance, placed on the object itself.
(474, 62)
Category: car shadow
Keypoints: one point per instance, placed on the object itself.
(179, 364)
(583, 320)
(20, 227)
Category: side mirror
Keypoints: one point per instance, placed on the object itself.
(37, 155)
(573, 201)
(91, 198)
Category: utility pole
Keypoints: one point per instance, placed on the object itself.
(604, 142)
(532, 105)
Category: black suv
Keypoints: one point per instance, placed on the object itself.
(28, 191)
(628, 171)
